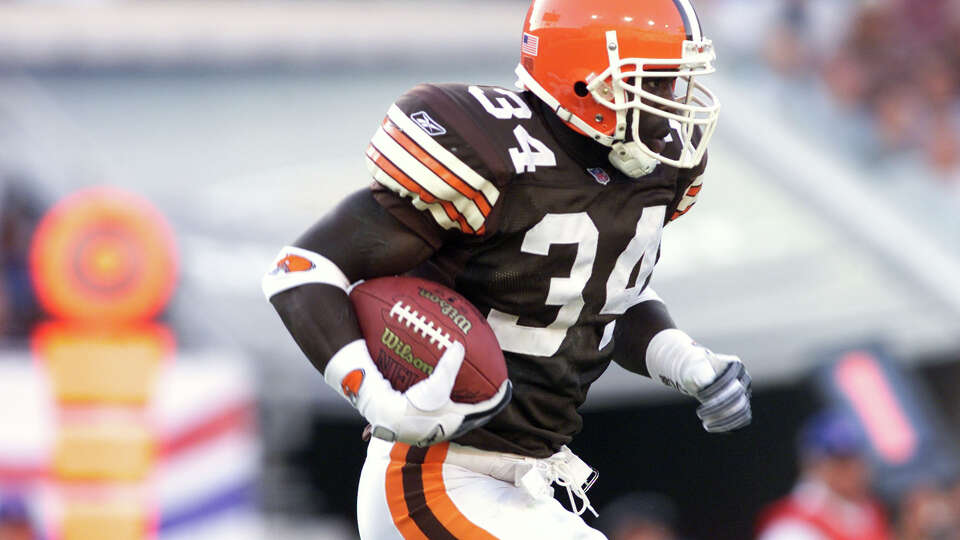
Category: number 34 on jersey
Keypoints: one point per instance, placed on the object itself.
(491, 131)
(575, 228)
(530, 153)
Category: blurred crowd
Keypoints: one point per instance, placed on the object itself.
(897, 63)
(20, 211)
(833, 498)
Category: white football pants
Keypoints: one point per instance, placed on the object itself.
(448, 491)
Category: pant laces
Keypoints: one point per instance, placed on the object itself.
(569, 471)
(578, 491)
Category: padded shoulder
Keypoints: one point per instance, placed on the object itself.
(438, 148)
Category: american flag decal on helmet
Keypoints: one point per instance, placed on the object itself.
(530, 44)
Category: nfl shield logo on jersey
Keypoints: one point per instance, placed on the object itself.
(599, 175)
(428, 124)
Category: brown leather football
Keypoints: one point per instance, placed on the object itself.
(407, 323)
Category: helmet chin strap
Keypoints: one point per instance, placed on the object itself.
(633, 159)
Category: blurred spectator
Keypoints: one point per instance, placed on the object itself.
(20, 211)
(896, 108)
(639, 516)
(832, 499)
(15, 520)
(789, 50)
(927, 513)
(942, 145)
(953, 494)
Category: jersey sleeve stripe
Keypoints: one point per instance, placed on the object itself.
(679, 213)
(386, 173)
(427, 179)
(443, 155)
(689, 199)
(438, 168)
(441, 213)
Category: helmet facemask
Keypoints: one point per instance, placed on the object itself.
(620, 88)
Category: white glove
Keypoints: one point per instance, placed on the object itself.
(719, 382)
(421, 416)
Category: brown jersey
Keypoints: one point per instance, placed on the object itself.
(533, 225)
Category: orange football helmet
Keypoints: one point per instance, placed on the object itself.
(587, 60)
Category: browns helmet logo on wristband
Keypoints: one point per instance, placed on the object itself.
(350, 385)
(293, 263)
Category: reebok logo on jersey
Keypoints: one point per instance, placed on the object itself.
(404, 351)
(428, 124)
(293, 263)
(600, 176)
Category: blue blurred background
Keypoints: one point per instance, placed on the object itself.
(829, 224)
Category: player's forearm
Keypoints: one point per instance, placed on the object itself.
(635, 330)
(309, 281)
(320, 318)
(646, 342)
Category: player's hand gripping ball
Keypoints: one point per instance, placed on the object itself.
(409, 322)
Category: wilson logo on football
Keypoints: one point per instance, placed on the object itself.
(404, 351)
(458, 318)
(293, 263)
(350, 384)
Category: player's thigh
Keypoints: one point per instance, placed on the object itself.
(499, 508)
(374, 521)
(509, 512)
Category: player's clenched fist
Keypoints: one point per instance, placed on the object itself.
(719, 382)
(725, 402)
(421, 416)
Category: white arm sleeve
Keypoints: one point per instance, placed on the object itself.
(674, 359)
(295, 266)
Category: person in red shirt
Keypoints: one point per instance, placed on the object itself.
(832, 498)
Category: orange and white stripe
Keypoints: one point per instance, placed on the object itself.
(689, 199)
(419, 504)
(407, 160)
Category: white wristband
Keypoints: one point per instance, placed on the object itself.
(352, 357)
(673, 358)
(352, 374)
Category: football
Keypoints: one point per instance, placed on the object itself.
(407, 323)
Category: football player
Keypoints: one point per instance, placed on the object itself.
(544, 207)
